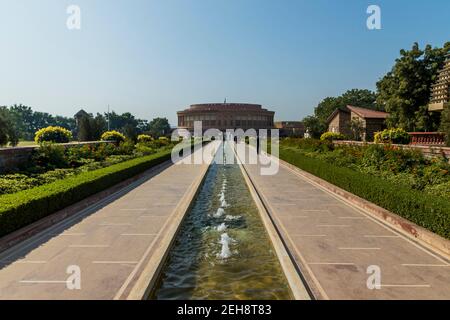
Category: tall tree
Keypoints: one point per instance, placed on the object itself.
(90, 128)
(159, 127)
(404, 91)
(8, 130)
(445, 123)
(313, 126)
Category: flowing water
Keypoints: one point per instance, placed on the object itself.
(222, 250)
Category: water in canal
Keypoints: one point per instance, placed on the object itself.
(222, 250)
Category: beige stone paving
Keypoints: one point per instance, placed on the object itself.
(336, 243)
(106, 244)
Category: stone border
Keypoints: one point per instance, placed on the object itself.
(294, 279)
(149, 275)
(12, 157)
(414, 232)
(428, 151)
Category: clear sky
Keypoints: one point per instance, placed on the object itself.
(153, 58)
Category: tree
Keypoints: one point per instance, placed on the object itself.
(130, 132)
(90, 128)
(28, 121)
(357, 129)
(445, 123)
(159, 127)
(356, 97)
(313, 126)
(8, 131)
(84, 132)
(404, 91)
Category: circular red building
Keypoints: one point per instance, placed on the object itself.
(224, 116)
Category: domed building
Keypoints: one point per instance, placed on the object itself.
(224, 116)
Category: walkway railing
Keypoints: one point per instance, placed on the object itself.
(427, 138)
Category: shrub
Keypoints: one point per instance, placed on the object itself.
(126, 148)
(428, 211)
(53, 134)
(396, 136)
(49, 155)
(330, 136)
(310, 144)
(445, 123)
(144, 138)
(20, 209)
(113, 136)
(164, 141)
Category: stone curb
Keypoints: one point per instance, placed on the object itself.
(296, 284)
(153, 264)
(419, 234)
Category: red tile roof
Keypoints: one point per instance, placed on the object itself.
(368, 113)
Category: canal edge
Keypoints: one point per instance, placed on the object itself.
(148, 277)
(297, 284)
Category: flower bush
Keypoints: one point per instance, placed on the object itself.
(396, 136)
(113, 136)
(330, 136)
(403, 167)
(53, 134)
(144, 138)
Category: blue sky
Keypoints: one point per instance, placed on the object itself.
(153, 58)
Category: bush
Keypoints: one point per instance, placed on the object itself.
(53, 134)
(164, 141)
(428, 211)
(20, 209)
(396, 136)
(144, 138)
(49, 155)
(445, 123)
(143, 149)
(113, 136)
(330, 136)
(309, 144)
(126, 148)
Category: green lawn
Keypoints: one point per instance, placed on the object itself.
(25, 144)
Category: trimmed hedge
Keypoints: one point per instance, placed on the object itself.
(428, 211)
(20, 209)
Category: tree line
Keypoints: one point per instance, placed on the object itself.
(20, 122)
(404, 92)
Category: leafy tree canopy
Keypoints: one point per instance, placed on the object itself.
(404, 91)
(159, 127)
(356, 97)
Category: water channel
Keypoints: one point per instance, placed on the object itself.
(222, 250)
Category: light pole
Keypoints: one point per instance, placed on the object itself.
(109, 121)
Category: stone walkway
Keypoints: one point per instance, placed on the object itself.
(113, 243)
(334, 243)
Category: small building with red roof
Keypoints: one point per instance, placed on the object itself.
(352, 121)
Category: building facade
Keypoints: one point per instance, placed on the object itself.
(290, 128)
(440, 91)
(224, 116)
(351, 119)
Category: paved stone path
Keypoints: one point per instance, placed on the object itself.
(334, 243)
(111, 243)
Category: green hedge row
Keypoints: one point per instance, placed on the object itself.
(20, 209)
(430, 212)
